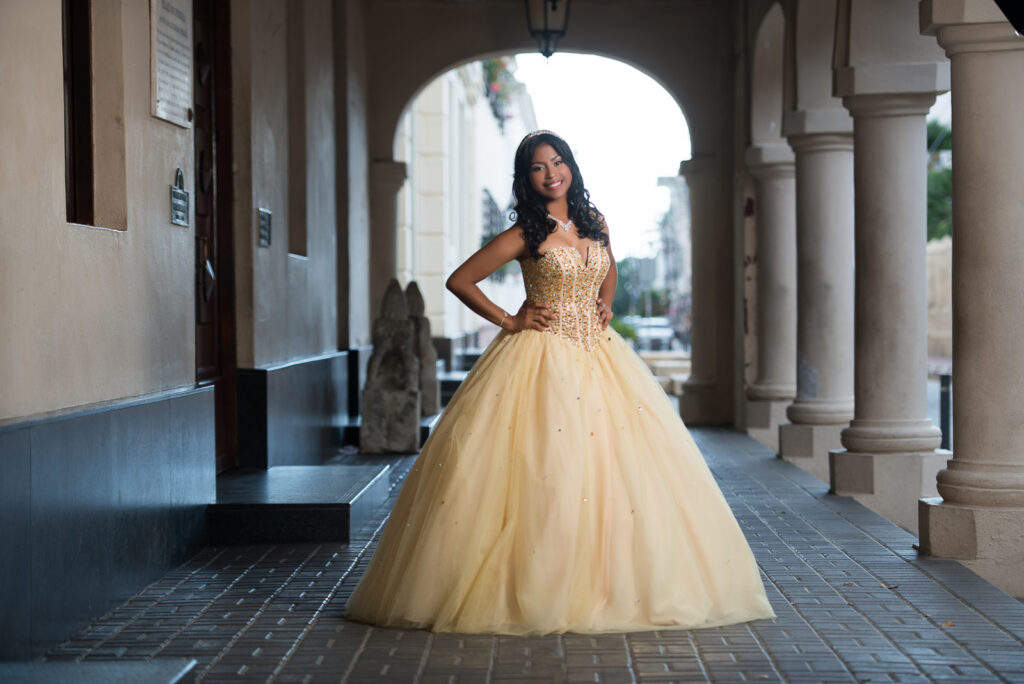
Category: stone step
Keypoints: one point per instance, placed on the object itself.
(450, 383)
(671, 354)
(669, 367)
(162, 671)
(677, 383)
(295, 504)
(467, 357)
(350, 431)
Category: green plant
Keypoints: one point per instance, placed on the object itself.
(624, 329)
(940, 203)
(940, 181)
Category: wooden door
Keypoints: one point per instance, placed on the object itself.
(214, 272)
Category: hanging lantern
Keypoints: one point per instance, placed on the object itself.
(547, 21)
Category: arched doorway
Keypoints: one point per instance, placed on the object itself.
(687, 48)
(455, 142)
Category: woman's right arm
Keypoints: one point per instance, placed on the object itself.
(508, 245)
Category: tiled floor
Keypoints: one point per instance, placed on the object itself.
(854, 604)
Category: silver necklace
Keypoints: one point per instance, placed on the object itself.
(564, 226)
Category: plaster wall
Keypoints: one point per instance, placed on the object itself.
(454, 148)
(90, 313)
(767, 80)
(874, 33)
(815, 25)
(286, 312)
(939, 265)
(405, 240)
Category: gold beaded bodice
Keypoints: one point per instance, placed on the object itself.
(568, 283)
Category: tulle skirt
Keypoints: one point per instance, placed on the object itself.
(560, 492)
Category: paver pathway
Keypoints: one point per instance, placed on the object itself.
(854, 604)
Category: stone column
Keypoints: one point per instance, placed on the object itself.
(773, 170)
(823, 142)
(386, 179)
(890, 459)
(981, 514)
(698, 402)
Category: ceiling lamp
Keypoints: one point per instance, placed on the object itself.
(547, 21)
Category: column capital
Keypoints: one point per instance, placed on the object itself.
(699, 165)
(934, 14)
(390, 173)
(889, 104)
(958, 39)
(896, 79)
(812, 121)
(822, 142)
(771, 161)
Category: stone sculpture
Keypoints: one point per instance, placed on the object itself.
(423, 347)
(391, 398)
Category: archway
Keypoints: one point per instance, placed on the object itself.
(686, 47)
(456, 140)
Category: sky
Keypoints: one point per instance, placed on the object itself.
(625, 131)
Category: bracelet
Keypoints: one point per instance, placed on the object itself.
(501, 323)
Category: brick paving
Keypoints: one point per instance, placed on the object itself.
(854, 604)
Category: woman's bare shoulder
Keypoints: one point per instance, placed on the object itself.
(513, 239)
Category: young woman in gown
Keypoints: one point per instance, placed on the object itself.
(560, 491)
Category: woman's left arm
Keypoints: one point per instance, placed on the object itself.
(606, 293)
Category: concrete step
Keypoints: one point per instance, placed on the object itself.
(162, 671)
(295, 504)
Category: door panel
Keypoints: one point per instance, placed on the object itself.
(214, 262)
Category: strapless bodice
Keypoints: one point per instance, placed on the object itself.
(569, 283)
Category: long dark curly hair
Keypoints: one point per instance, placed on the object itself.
(530, 213)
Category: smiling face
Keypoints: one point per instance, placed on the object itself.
(549, 175)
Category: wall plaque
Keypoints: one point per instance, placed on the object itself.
(179, 200)
(170, 45)
(264, 220)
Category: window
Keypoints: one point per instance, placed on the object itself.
(78, 111)
(296, 89)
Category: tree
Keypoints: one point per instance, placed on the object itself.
(940, 181)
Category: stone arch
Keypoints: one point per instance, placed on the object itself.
(493, 54)
(689, 48)
(768, 79)
(674, 51)
(418, 221)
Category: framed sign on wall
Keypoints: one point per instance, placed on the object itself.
(170, 42)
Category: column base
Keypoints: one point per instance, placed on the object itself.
(888, 484)
(808, 446)
(988, 540)
(698, 404)
(764, 418)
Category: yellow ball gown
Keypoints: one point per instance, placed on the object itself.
(560, 492)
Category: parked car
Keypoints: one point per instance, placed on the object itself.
(652, 334)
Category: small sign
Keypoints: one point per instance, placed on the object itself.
(179, 200)
(264, 217)
(170, 46)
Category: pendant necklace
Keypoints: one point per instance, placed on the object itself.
(563, 225)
